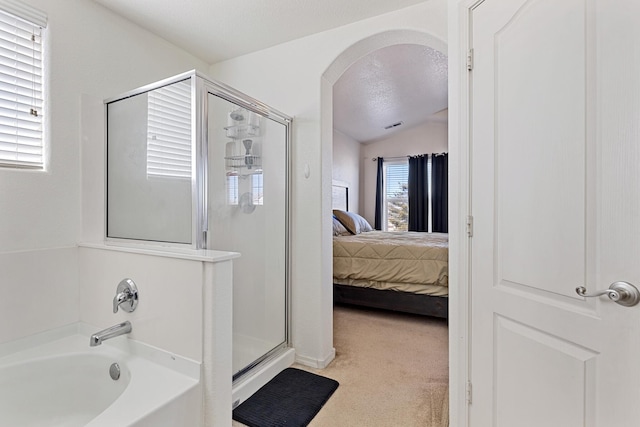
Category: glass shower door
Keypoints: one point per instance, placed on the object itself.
(247, 196)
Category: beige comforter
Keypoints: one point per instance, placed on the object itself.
(404, 261)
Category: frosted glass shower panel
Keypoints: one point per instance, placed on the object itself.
(248, 214)
(149, 165)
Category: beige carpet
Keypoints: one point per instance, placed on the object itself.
(392, 369)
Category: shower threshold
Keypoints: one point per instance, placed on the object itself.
(252, 378)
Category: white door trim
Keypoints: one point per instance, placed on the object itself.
(460, 390)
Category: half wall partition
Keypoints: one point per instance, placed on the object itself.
(195, 164)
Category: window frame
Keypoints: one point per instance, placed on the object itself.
(385, 210)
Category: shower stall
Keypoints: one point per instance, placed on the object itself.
(193, 163)
(248, 213)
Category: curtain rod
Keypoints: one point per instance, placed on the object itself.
(407, 156)
(390, 158)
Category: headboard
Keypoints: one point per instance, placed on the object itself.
(340, 195)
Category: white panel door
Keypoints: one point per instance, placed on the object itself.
(555, 198)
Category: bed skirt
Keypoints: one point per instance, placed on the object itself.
(428, 305)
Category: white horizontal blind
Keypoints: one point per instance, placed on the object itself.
(21, 99)
(22, 10)
(396, 182)
(169, 131)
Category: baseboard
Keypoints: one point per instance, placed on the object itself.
(313, 362)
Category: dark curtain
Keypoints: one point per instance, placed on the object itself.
(418, 193)
(379, 194)
(439, 193)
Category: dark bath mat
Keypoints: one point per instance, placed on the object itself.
(291, 399)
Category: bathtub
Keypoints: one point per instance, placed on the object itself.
(56, 379)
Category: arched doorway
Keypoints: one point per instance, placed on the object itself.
(332, 75)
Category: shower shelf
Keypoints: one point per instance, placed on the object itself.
(238, 162)
(242, 131)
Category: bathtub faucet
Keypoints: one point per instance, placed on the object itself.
(112, 332)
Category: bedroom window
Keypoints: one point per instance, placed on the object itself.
(396, 195)
(21, 92)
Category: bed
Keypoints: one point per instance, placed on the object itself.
(400, 271)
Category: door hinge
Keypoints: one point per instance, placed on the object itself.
(469, 392)
(469, 225)
(470, 60)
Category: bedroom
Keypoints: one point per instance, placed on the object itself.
(407, 84)
(389, 105)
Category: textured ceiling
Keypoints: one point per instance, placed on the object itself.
(401, 83)
(215, 30)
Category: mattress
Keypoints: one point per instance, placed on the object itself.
(403, 261)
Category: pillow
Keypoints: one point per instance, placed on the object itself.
(338, 228)
(352, 221)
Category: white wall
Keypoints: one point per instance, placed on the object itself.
(170, 289)
(430, 137)
(346, 166)
(90, 51)
(39, 291)
(289, 77)
(91, 54)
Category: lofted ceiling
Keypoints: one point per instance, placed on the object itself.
(406, 83)
(215, 30)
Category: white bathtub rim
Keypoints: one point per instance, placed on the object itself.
(174, 362)
(138, 401)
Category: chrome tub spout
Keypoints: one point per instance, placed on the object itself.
(113, 331)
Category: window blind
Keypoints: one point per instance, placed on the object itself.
(397, 179)
(21, 93)
(396, 195)
(169, 131)
(22, 10)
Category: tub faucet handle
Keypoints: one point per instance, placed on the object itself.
(126, 296)
(119, 299)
